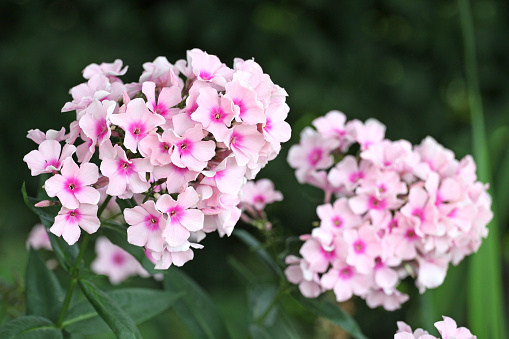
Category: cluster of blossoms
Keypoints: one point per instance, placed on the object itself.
(181, 143)
(398, 211)
(447, 328)
(254, 198)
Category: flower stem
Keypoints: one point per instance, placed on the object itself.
(72, 282)
(103, 206)
(485, 289)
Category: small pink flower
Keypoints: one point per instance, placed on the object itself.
(38, 137)
(208, 68)
(68, 222)
(95, 123)
(260, 193)
(72, 187)
(228, 177)
(111, 70)
(114, 262)
(47, 158)
(182, 217)
(248, 109)
(125, 174)
(276, 130)
(214, 112)
(345, 281)
(449, 330)
(38, 238)
(147, 225)
(168, 98)
(137, 122)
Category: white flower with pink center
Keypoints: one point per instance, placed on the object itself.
(177, 178)
(228, 177)
(369, 133)
(69, 221)
(448, 330)
(183, 218)
(147, 225)
(276, 130)
(364, 247)
(111, 70)
(214, 112)
(125, 174)
(137, 122)
(208, 68)
(72, 186)
(48, 157)
(190, 150)
(333, 124)
(114, 262)
(174, 255)
(38, 136)
(156, 149)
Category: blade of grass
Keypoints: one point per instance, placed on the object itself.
(485, 288)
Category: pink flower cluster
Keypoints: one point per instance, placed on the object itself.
(447, 328)
(398, 210)
(182, 141)
(255, 196)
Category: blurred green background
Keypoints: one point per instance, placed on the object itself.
(395, 60)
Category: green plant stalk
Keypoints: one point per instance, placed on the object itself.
(75, 268)
(486, 312)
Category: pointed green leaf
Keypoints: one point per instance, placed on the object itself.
(258, 248)
(196, 310)
(44, 295)
(140, 304)
(116, 318)
(333, 312)
(30, 327)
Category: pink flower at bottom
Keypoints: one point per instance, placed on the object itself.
(68, 222)
(114, 262)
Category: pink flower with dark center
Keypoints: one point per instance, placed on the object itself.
(190, 150)
(209, 68)
(137, 122)
(68, 222)
(125, 174)
(177, 178)
(228, 177)
(182, 217)
(168, 98)
(48, 159)
(364, 247)
(214, 112)
(156, 149)
(147, 225)
(72, 187)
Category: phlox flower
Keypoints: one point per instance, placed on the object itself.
(114, 262)
(48, 157)
(147, 225)
(137, 122)
(190, 150)
(449, 329)
(38, 238)
(208, 68)
(177, 178)
(247, 108)
(111, 70)
(334, 218)
(161, 72)
(38, 136)
(368, 133)
(72, 186)
(228, 177)
(174, 255)
(182, 217)
(276, 130)
(125, 174)
(95, 123)
(68, 222)
(260, 193)
(350, 173)
(157, 150)
(168, 97)
(249, 72)
(345, 281)
(245, 142)
(390, 301)
(214, 112)
(333, 124)
(298, 273)
(364, 247)
(312, 153)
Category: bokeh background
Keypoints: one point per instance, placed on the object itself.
(398, 61)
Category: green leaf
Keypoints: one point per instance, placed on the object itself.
(140, 304)
(258, 248)
(118, 236)
(65, 254)
(261, 300)
(30, 327)
(116, 318)
(44, 295)
(196, 310)
(333, 312)
(125, 203)
(258, 332)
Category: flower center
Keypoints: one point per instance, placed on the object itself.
(217, 116)
(125, 165)
(183, 146)
(166, 146)
(136, 131)
(173, 213)
(72, 186)
(72, 214)
(153, 221)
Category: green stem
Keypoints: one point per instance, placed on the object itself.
(74, 279)
(282, 287)
(103, 206)
(485, 288)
